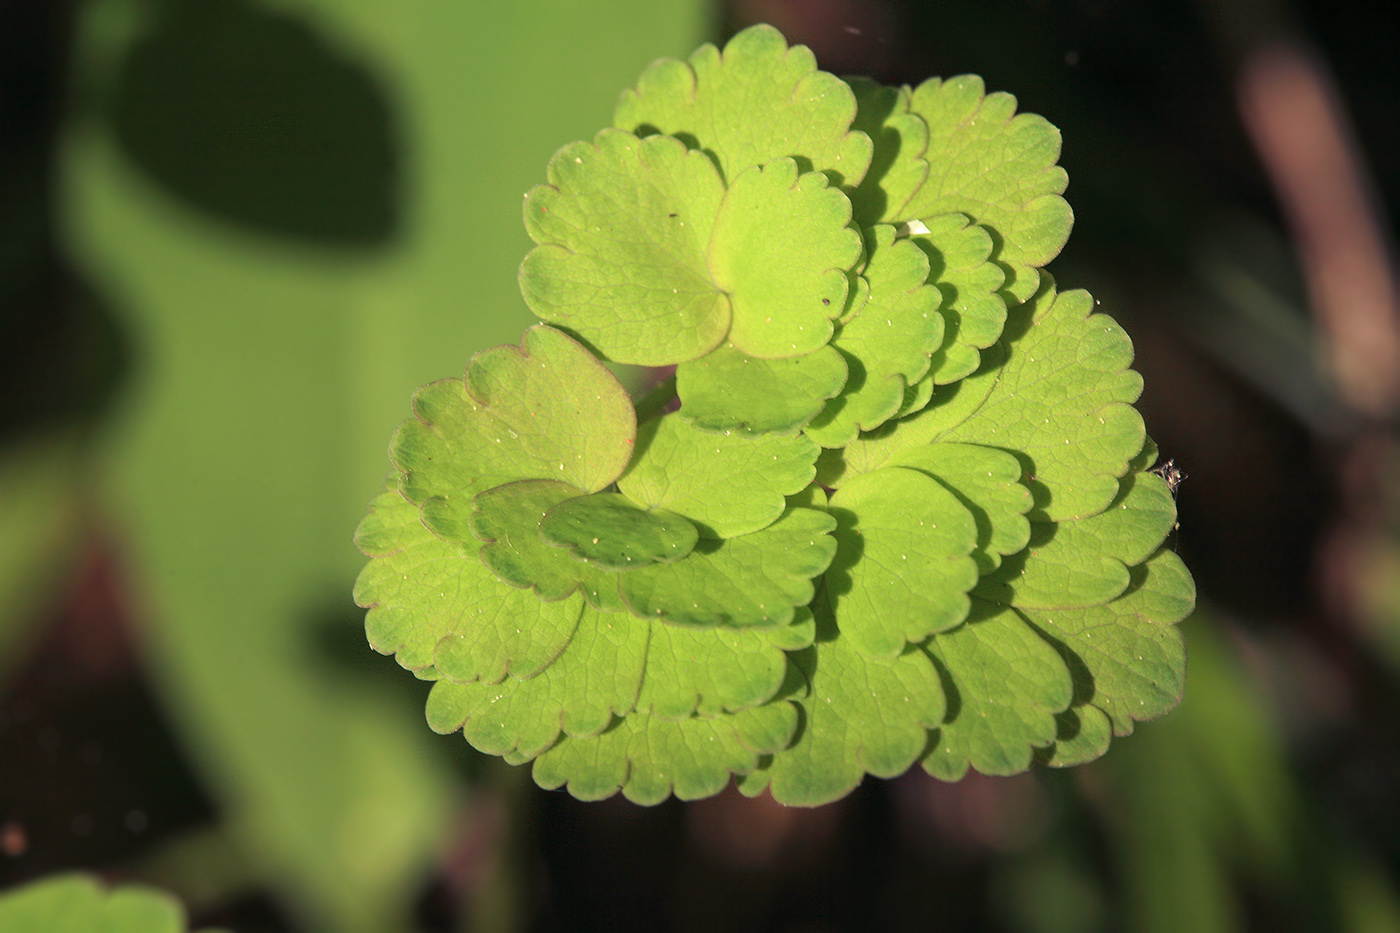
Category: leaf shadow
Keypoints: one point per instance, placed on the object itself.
(1081, 678)
(249, 115)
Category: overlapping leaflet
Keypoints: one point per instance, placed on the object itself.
(898, 511)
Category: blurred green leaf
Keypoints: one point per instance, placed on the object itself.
(81, 904)
(39, 529)
(272, 372)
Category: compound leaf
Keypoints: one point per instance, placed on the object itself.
(757, 579)
(781, 250)
(756, 102)
(1071, 565)
(996, 166)
(546, 409)
(903, 566)
(863, 715)
(728, 390)
(888, 344)
(427, 597)
(611, 531)
(828, 264)
(1005, 685)
(1062, 403)
(623, 227)
(649, 758)
(596, 677)
(728, 484)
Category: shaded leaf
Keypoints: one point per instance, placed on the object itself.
(611, 531)
(948, 407)
(507, 520)
(711, 671)
(728, 390)
(1132, 654)
(1082, 734)
(959, 256)
(897, 166)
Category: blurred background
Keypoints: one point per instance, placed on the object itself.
(236, 235)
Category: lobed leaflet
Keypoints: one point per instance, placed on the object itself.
(904, 512)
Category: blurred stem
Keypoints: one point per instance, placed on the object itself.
(1299, 128)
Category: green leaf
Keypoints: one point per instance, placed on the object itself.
(1082, 734)
(706, 672)
(40, 534)
(959, 264)
(544, 410)
(432, 602)
(1062, 403)
(596, 677)
(260, 427)
(863, 714)
(507, 520)
(996, 166)
(949, 406)
(888, 344)
(728, 390)
(903, 566)
(1071, 565)
(781, 250)
(728, 484)
(988, 484)
(1131, 657)
(897, 166)
(623, 228)
(916, 397)
(648, 758)
(757, 102)
(1005, 685)
(758, 579)
(612, 531)
(72, 903)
